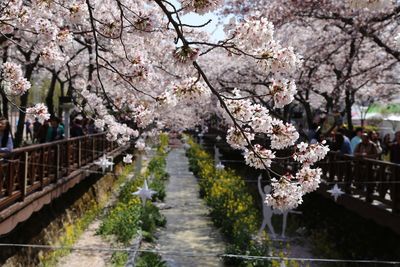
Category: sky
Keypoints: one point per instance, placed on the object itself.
(213, 28)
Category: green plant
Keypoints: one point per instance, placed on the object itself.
(74, 230)
(119, 258)
(149, 259)
(232, 206)
(129, 217)
(123, 221)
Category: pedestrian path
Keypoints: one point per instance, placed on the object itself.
(80, 258)
(188, 229)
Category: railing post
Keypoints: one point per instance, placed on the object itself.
(11, 177)
(24, 182)
(58, 162)
(331, 168)
(369, 173)
(93, 148)
(102, 146)
(382, 186)
(41, 174)
(2, 177)
(348, 175)
(395, 195)
(80, 152)
(68, 153)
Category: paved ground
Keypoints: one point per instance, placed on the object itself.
(189, 229)
(82, 258)
(88, 258)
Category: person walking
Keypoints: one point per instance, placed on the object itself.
(28, 130)
(36, 127)
(395, 149)
(55, 131)
(356, 139)
(7, 144)
(366, 148)
(76, 128)
(374, 137)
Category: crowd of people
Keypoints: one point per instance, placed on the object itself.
(367, 144)
(53, 129)
(48, 131)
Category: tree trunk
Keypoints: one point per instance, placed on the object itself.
(24, 102)
(309, 114)
(349, 104)
(4, 111)
(50, 94)
(62, 84)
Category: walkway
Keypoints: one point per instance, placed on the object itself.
(88, 258)
(188, 229)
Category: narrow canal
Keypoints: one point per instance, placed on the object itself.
(189, 230)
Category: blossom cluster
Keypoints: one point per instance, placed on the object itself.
(119, 132)
(371, 4)
(397, 39)
(259, 31)
(201, 6)
(190, 90)
(308, 178)
(283, 134)
(186, 54)
(238, 139)
(285, 195)
(252, 119)
(288, 191)
(259, 157)
(308, 154)
(39, 111)
(13, 79)
(256, 36)
(282, 91)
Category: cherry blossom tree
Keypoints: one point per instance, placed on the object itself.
(347, 48)
(136, 69)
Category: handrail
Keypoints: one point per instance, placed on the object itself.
(27, 170)
(35, 146)
(352, 157)
(369, 179)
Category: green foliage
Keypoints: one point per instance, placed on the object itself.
(385, 109)
(158, 186)
(119, 258)
(367, 128)
(129, 217)
(149, 259)
(123, 221)
(150, 219)
(232, 207)
(74, 230)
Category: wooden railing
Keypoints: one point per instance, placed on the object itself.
(367, 179)
(29, 169)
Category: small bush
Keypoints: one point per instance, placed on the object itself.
(129, 217)
(149, 259)
(119, 258)
(232, 206)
